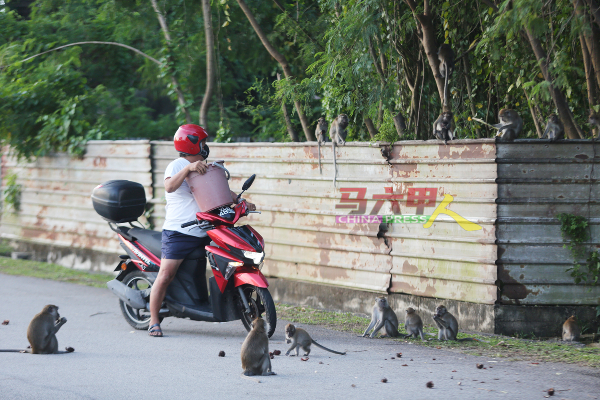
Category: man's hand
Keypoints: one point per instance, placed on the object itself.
(251, 206)
(198, 166)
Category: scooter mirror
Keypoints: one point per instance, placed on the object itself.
(248, 182)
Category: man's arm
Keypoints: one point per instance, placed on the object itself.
(173, 183)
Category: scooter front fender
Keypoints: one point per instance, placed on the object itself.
(249, 276)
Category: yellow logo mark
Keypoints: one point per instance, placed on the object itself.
(441, 209)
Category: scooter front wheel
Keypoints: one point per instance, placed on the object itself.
(137, 318)
(261, 305)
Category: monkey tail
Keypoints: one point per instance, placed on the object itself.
(319, 146)
(334, 162)
(445, 86)
(15, 351)
(329, 350)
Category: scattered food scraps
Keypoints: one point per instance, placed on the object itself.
(221, 353)
(480, 366)
(5, 322)
(384, 380)
(429, 384)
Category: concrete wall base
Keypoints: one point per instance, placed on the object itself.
(529, 321)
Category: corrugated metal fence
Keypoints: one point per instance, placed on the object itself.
(299, 205)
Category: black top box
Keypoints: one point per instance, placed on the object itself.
(119, 201)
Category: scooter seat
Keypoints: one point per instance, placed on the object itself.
(152, 240)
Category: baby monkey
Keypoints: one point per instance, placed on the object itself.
(298, 337)
(413, 324)
(448, 325)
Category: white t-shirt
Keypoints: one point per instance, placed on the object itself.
(181, 206)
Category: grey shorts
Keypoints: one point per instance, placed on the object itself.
(177, 245)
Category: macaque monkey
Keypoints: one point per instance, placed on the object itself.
(594, 120)
(571, 331)
(384, 317)
(255, 350)
(338, 134)
(298, 337)
(321, 135)
(554, 129)
(446, 57)
(41, 333)
(443, 127)
(413, 324)
(510, 125)
(448, 325)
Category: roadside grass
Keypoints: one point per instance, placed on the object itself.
(55, 272)
(513, 349)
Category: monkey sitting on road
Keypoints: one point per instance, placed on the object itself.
(384, 317)
(571, 331)
(510, 125)
(41, 332)
(255, 350)
(554, 129)
(298, 337)
(413, 324)
(448, 325)
(443, 127)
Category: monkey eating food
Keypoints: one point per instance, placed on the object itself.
(41, 332)
(299, 338)
(510, 125)
(384, 317)
(255, 350)
(448, 325)
(570, 330)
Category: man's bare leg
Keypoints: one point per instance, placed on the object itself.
(166, 273)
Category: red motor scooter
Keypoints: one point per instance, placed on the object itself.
(237, 289)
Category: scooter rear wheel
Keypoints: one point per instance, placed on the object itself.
(137, 318)
(260, 302)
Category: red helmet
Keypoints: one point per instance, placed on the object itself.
(187, 139)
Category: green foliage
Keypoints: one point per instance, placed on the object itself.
(575, 229)
(363, 58)
(12, 193)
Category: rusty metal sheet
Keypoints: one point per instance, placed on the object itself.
(536, 181)
(56, 207)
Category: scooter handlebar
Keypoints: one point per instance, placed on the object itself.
(190, 223)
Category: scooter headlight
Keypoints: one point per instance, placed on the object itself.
(231, 269)
(256, 258)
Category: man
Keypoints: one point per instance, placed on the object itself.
(178, 242)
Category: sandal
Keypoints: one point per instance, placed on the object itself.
(155, 329)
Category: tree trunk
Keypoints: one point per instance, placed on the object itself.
(400, 124)
(428, 40)
(589, 74)
(592, 39)
(288, 121)
(595, 10)
(469, 92)
(370, 127)
(282, 62)
(558, 97)
(165, 29)
(210, 63)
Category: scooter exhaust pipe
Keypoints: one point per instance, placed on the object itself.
(133, 298)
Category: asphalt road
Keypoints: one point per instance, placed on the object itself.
(112, 361)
